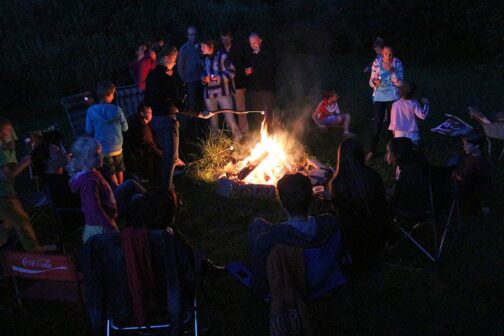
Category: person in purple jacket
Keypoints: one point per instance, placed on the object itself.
(98, 201)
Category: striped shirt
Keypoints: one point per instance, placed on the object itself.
(220, 69)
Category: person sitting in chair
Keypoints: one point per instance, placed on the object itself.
(295, 194)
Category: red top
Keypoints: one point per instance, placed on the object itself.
(139, 70)
(324, 109)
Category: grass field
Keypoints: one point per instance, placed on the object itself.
(461, 294)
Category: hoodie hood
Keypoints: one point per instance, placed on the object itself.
(106, 113)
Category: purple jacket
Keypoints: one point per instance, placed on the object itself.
(97, 199)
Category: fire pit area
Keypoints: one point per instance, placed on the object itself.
(255, 175)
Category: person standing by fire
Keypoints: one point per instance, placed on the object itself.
(217, 78)
(387, 75)
(260, 70)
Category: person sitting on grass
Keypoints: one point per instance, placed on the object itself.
(471, 174)
(98, 201)
(12, 213)
(404, 113)
(106, 122)
(295, 194)
(328, 113)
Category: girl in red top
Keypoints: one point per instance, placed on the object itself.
(328, 113)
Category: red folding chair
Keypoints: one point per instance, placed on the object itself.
(46, 277)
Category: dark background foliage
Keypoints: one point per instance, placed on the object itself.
(52, 48)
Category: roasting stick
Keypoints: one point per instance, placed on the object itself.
(208, 115)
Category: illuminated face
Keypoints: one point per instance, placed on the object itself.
(255, 42)
(387, 54)
(6, 132)
(170, 61)
(147, 114)
(469, 148)
(206, 49)
(191, 34)
(141, 51)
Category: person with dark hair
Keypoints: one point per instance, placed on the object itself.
(236, 54)
(329, 114)
(472, 173)
(260, 71)
(142, 154)
(300, 229)
(217, 78)
(358, 198)
(145, 62)
(410, 195)
(164, 94)
(378, 45)
(386, 77)
(106, 122)
(405, 111)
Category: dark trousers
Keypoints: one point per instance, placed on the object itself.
(166, 130)
(380, 108)
(261, 101)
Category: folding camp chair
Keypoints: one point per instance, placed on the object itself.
(75, 108)
(441, 184)
(49, 278)
(128, 98)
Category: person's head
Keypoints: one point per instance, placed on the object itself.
(407, 89)
(208, 46)
(387, 53)
(378, 45)
(331, 96)
(350, 152)
(105, 91)
(255, 41)
(192, 34)
(86, 155)
(6, 129)
(472, 142)
(400, 151)
(145, 112)
(142, 50)
(295, 194)
(226, 37)
(168, 57)
(153, 210)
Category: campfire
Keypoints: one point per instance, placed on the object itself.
(274, 155)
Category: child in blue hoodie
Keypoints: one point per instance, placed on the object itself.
(106, 122)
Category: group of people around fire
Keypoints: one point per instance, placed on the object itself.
(202, 80)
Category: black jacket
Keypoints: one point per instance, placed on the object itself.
(163, 91)
(263, 75)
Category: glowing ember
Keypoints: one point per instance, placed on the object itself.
(271, 158)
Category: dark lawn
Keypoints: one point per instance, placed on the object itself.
(461, 294)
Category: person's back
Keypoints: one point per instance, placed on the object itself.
(107, 122)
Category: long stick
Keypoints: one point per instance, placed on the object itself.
(208, 115)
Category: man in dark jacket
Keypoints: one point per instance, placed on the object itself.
(163, 93)
(260, 70)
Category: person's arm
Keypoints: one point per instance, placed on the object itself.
(123, 121)
(228, 68)
(421, 112)
(399, 72)
(89, 124)
(18, 168)
(148, 141)
(375, 73)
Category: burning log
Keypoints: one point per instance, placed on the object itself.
(245, 171)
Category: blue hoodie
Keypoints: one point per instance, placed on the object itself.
(107, 122)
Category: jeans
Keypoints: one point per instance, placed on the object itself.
(166, 130)
(222, 103)
(378, 116)
(239, 105)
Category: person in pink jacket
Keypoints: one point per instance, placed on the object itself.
(404, 114)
